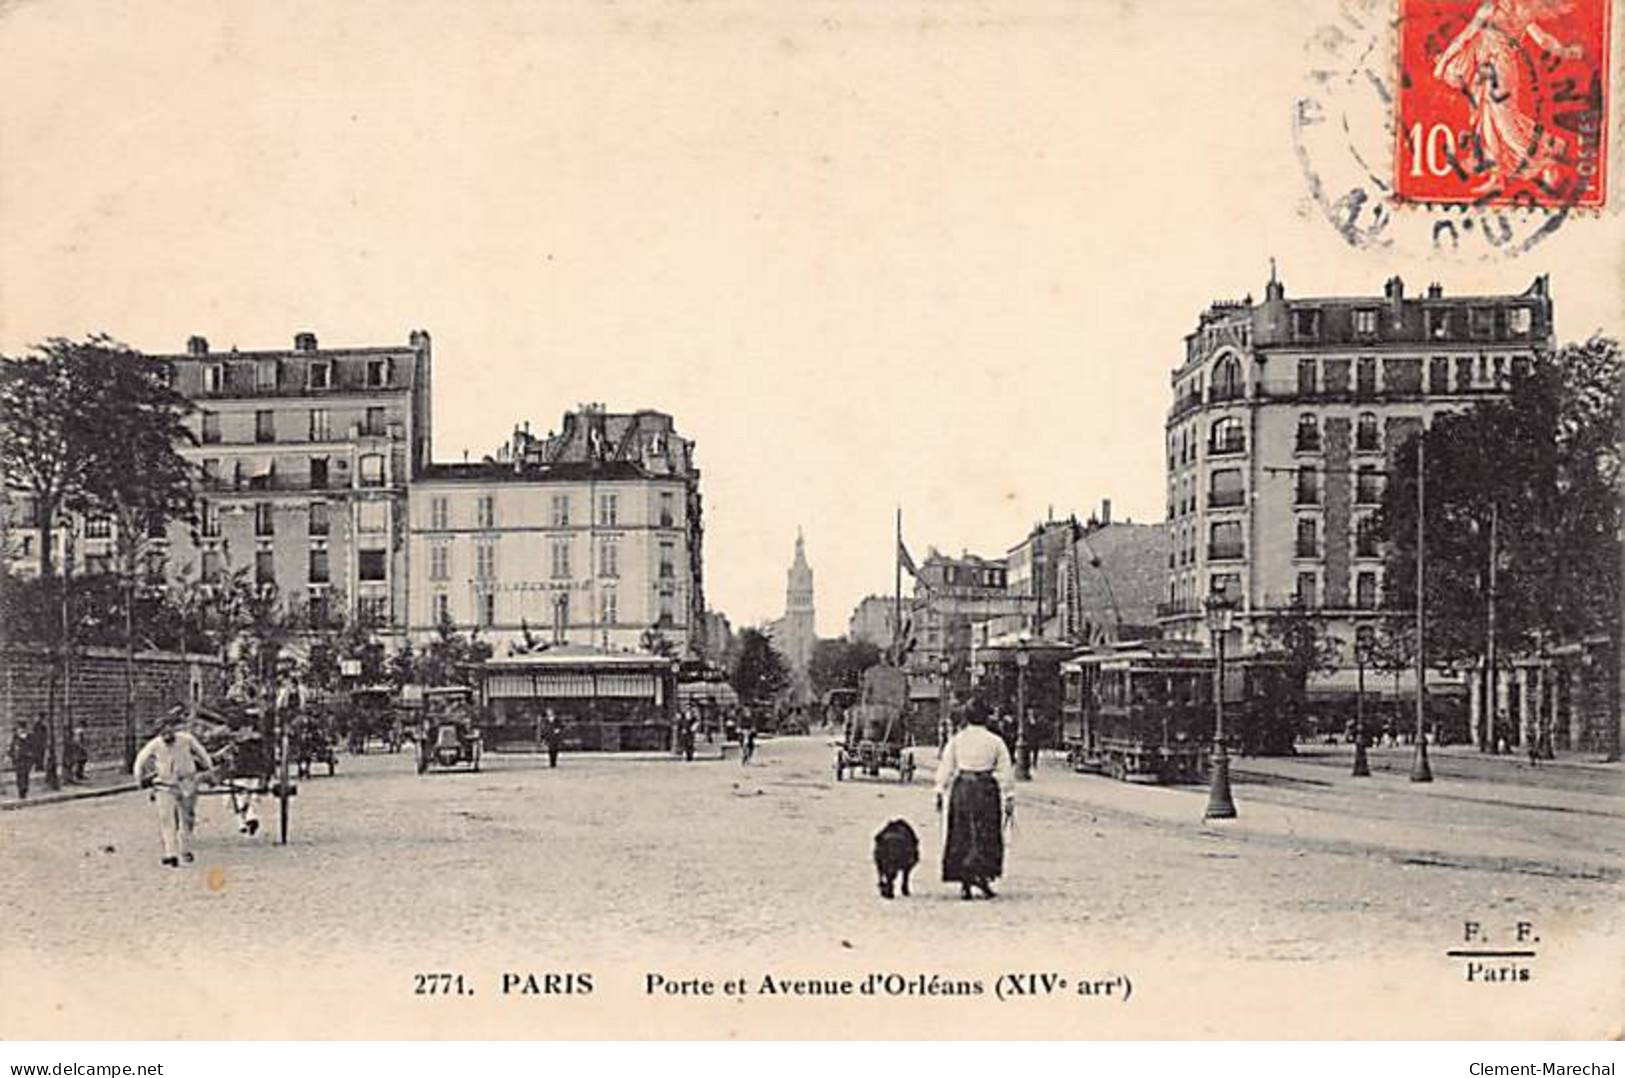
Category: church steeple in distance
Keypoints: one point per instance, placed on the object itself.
(798, 596)
(798, 628)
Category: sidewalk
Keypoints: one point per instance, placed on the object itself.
(101, 780)
(1385, 816)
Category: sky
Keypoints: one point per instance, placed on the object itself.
(938, 257)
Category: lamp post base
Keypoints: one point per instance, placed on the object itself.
(1024, 767)
(1220, 805)
(1420, 771)
(1362, 766)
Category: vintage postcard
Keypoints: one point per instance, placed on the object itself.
(1055, 519)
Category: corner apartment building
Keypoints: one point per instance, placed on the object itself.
(591, 536)
(304, 459)
(1286, 416)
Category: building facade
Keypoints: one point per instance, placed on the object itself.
(589, 537)
(304, 458)
(952, 598)
(874, 619)
(1288, 413)
(1086, 581)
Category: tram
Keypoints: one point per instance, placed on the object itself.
(1144, 712)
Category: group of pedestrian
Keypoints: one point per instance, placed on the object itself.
(30, 751)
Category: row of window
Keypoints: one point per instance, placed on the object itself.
(372, 517)
(1227, 489)
(1308, 593)
(1225, 542)
(262, 474)
(1440, 322)
(270, 376)
(560, 548)
(1316, 376)
(560, 508)
(372, 566)
(485, 611)
(1330, 376)
(374, 424)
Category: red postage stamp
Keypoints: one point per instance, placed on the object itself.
(1502, 102)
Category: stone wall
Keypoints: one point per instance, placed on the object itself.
(162, 679)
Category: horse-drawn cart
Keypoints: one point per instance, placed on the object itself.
(875, 735)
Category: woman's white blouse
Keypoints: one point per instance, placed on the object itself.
(976, 749)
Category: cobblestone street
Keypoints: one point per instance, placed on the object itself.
(615, 864)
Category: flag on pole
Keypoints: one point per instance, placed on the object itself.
(905, 561)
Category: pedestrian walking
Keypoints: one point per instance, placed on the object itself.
(976, 798)
(39, 746)
(74, 757)
(685, 735)
(171, 765)
(21, 752)
(250, 768)
(747, 738)
(553, 734)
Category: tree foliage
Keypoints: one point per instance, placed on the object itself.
(1300, 635)
(449, 658)
(839, 664)
(1543, 465)
(759, 672)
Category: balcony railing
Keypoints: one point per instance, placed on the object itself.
(1226, 552)
(1306, 496)
(1308, 548)
(1308, 444)
(1227, 447)
(1178, 607)
(1224, 499)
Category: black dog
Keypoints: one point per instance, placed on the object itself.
(897, 851)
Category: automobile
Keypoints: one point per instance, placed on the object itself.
(449, 735)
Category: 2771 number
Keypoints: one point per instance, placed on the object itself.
(440, 984)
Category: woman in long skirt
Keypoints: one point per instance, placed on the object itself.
(976, 780)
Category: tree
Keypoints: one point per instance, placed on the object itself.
(839, 664)
(1536, 474)
(88, 427)
(760, 672)
(1301, 637)
(448, 657)
(137, 479)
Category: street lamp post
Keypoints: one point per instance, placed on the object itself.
(942, 704)
(1220, 805)
(1024, 771)
(1362, 644)
(1420, 771)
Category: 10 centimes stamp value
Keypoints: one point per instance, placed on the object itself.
(1502, 103)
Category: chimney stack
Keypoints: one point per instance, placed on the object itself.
(1394, 289)
(1105, 511)
(1435, 291)
(197, 346)
(304, 342)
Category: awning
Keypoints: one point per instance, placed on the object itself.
(718, 692)
(573, 686)
(1383, 684)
